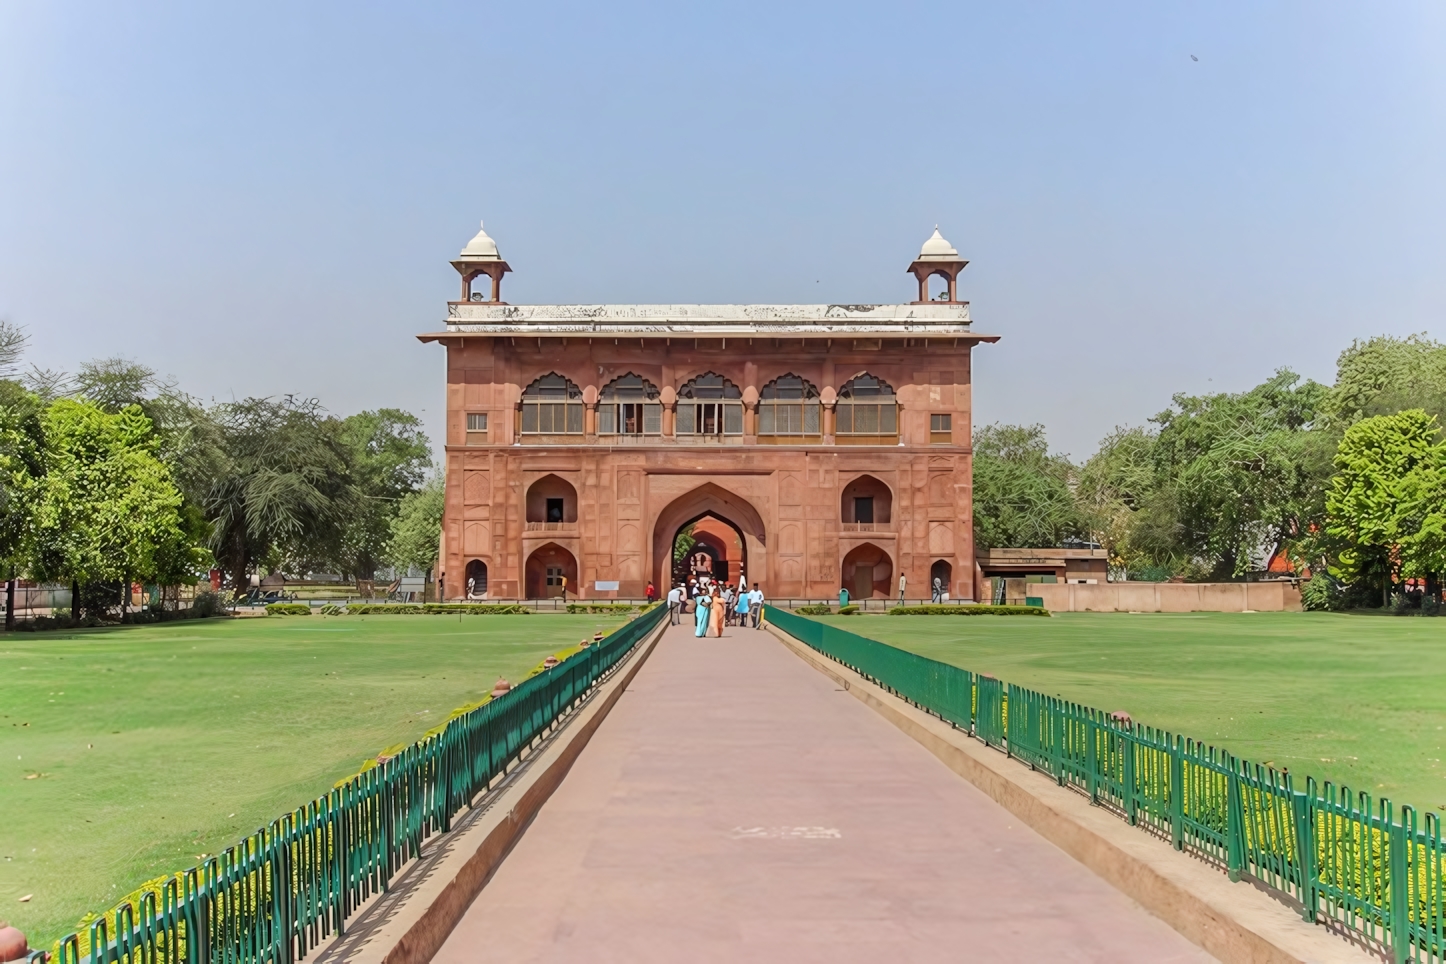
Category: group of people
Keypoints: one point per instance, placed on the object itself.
(715, 605)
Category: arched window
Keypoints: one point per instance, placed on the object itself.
(789, 406)
(552, 405)
(629, 405)
(709, 405)
(867, 411)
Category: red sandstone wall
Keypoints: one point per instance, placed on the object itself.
(631, 498)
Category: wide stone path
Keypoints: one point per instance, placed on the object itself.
(737, 806)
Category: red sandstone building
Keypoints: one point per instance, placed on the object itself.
(803, 447)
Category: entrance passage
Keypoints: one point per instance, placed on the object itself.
(736, 805)
(550, 570)
(709, 546)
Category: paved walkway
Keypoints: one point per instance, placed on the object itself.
(737, 806)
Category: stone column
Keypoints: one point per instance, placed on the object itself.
(589, 419)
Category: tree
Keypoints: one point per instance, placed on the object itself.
(416, 530)
(107, 509)
(1384, 375)
(1237, 475)
(283, 488)
(389, 457)
(1022, 494)
(1386, 489)
(22, 468)
(1114, 486)
(13, 340)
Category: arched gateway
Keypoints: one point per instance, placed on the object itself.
(809, 447)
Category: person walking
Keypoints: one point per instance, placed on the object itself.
(675, 604)
(755, 604)
(718, 608)
(701, 613)
(651, 593)
(741, 607)
(937, 596)
(901, 589)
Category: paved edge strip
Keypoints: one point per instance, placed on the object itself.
(1233, 921)
(412, 931)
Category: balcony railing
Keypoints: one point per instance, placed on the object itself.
(550, 526)
(867, 526)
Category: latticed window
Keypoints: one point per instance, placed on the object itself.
(709, 405)
(867, 407)
(552, 405)
(788, 405)
(629, 405)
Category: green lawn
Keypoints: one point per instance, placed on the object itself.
(155, 744)
(1356, 699)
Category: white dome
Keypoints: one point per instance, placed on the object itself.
(480, 248)
(937, 249)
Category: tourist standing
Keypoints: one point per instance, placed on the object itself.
(675, 604)
(740, 608)
(701, 614)
(755, 604)
(901, 589)
(717, 616)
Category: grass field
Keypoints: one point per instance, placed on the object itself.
(155, 744)
(1356, 699)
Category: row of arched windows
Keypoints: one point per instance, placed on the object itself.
(710, 405)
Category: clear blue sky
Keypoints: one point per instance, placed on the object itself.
(263, 198)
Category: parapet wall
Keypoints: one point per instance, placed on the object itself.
(1169, 597)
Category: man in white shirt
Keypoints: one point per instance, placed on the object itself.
(755, 604)
(675, 604)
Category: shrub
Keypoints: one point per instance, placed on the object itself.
(1321, 593)
(331, 609)
(288, 609)
(433, 609)
(584, 607)
(936, 610)
(848, 610)
(207, 603)
(820, 609)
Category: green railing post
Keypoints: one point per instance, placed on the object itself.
(1127, 751)
(1304, 855)
(1234, 824)
(1176, 791)
(1399, 918)
(1054, 713)
(1092, 756)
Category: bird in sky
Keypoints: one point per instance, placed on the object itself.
(1194, 58)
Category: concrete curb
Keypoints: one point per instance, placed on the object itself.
(1234, 922)
(410, 922)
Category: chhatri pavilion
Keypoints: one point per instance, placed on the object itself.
(807, 448)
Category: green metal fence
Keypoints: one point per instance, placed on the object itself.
(1373, 869)
(287, 887)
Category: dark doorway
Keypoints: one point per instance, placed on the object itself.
(942, 573)
(864, 508)
(554, 510)
(709, 545)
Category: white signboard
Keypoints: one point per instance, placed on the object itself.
(603, 585)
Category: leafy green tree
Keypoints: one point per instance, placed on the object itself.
(389, 457)
(283, 488)
(1385, 498)
(107, 509)
(1114, 486)
(1237, 475)
(416, 530)
(1384, 375)
(22, 468)
(1022, 494)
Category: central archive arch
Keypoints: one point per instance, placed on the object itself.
(709, 499)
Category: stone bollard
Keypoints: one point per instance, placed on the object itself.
(501, 687)
(12, 943)
(1121, 717)
(549, 663)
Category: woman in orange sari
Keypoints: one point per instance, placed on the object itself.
(717, 615)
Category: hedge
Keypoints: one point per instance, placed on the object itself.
(821, 609)
(603, 608)
(848, 610)
(433, 609)
(933, 610)
(288, 609)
